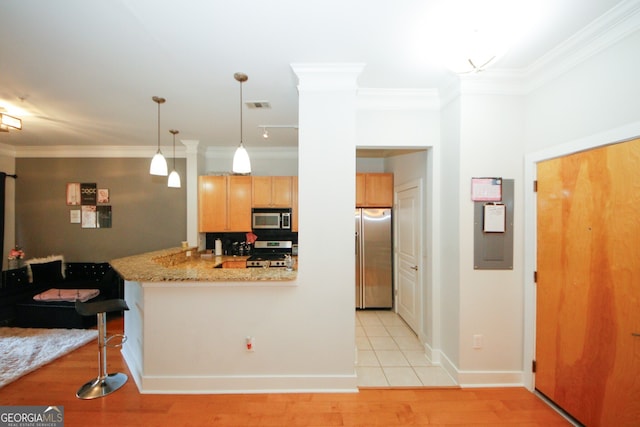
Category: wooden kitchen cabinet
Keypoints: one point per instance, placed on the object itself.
(224, 203)
(294, 204)
(360, 202)
(374, 190)
(272, 191)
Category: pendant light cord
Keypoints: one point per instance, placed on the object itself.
(241, 78)
(241, 142)
(158, 127)
(174, 132)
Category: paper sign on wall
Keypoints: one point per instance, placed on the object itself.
(486, 189)
(494, 218)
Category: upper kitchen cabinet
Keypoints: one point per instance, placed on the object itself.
(294, 204)
(224, 203)
(272, 191)
(374, 190)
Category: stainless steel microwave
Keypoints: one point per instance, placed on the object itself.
(271, 219)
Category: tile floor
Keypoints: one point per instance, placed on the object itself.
(390, 354)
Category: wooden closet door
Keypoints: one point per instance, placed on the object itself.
(588, 285)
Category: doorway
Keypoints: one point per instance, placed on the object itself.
(411, 169)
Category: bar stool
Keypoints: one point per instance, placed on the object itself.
(105, 383)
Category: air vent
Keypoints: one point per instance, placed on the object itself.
(258, 104)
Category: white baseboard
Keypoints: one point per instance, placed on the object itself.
(474, 379)
(239, 384)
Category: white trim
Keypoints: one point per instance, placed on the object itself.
(484, 379)
(324, 76)
(619, 22)
(607, 30)
(398, 99)
(7, 150)
(238, 384)
(71, 151)
(612, 136)
(474, 379)
(115, 151)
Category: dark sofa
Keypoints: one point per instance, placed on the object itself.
(18, 308)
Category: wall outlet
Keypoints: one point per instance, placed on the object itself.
(250, 344)
(477, 341)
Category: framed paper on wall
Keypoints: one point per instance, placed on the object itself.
(89, 217)
(486, 189)
(103, 214)
(74, 216)
(73, 194)
(88, 194)
(103, 195)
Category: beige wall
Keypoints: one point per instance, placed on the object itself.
(147, 215)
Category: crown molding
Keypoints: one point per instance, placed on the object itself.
(605, 31)
(323, 76)
(70, 151)
(398, 99)
(494, 82)
(191, 147)
(7, 150)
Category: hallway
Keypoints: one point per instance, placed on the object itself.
(390, 354)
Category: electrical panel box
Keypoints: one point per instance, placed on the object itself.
(493, 250)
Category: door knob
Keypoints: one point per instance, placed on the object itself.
(415, 267)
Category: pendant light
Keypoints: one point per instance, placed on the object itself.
(174, 177)
(158, 163)
(241, 162)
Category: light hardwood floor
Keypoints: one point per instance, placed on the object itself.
(56, 384)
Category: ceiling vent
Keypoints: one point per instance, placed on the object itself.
(258, 104)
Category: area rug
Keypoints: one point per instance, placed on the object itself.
(23, 350)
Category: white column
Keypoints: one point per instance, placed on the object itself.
(326, 180)
(326, 160)
(191, 180)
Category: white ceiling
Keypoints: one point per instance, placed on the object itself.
(83, 72)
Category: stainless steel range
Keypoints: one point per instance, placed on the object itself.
(270, 253)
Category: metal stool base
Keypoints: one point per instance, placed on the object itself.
(101, 387)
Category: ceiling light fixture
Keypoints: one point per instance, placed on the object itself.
(241, 162)
(158, 163)
(474, 40)
(174, 177)
(8, 122)
(476, 50)
(265, 129)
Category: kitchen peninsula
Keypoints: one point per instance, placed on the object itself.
(186, 326)
(177, 264)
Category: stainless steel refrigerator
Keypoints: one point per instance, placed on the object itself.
(374, 272)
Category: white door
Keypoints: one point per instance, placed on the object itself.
(408, 265)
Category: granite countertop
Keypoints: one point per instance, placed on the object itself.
(173, 265)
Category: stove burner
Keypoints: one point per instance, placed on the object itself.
(267, 260)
